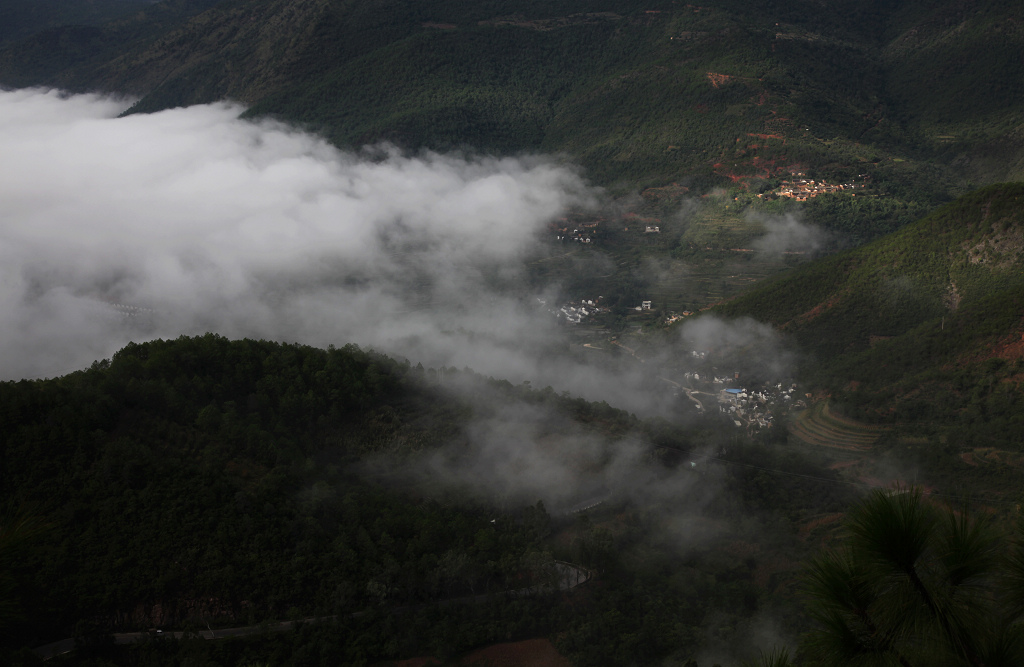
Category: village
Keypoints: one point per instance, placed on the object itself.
(751, 404)
(756, 409)
(802, 189)
(582, 232)
(574, 312)
(672, 318)
(752, 408)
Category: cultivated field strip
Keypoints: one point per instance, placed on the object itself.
(819, 426)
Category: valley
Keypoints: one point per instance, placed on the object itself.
(352, 332)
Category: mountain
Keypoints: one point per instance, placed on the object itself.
(953, 74)
(921, 100)
(77, 37)
(202, 483)
(20, 19)
(642, 92)
(921, 326)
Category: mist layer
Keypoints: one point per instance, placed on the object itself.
(191, 220)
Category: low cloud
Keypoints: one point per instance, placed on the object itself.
(746, 344)
(192, 220)
(517, 452)
(518, 455)
(207, 222)
(787, 234)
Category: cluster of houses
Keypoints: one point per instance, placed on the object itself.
(109, 309)
(743, 407)
(802, 189)
(574, 313)
(675, 317)
(581, 233)
(754, 409)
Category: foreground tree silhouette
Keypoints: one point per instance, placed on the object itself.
(919, 586)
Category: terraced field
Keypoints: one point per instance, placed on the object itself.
(819, 426)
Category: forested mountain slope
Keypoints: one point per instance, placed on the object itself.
(20, 19)
(925, 323)
(201, 483)
(204, 481)
(649, 92)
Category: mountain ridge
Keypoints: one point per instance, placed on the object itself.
(649, 92)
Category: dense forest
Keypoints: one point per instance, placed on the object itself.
(19, 20)
(202, 482)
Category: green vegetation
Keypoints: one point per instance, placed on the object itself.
(202, 481)
(182, 470)
(20, 19)
(914, 584)
(207, 483)
(639, 93)
(921, 326)
(672, 101)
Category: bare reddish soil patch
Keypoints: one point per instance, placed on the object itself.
(718, 79)
(674, 191)
(989, 456)
(819, 309)
(1010, 348)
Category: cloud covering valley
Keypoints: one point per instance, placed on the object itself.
(192, 220)
(250, 229)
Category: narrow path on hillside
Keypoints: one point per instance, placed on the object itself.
(628, 349)
(689, 392)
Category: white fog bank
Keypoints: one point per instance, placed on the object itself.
(211, 223)
(192, 220)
